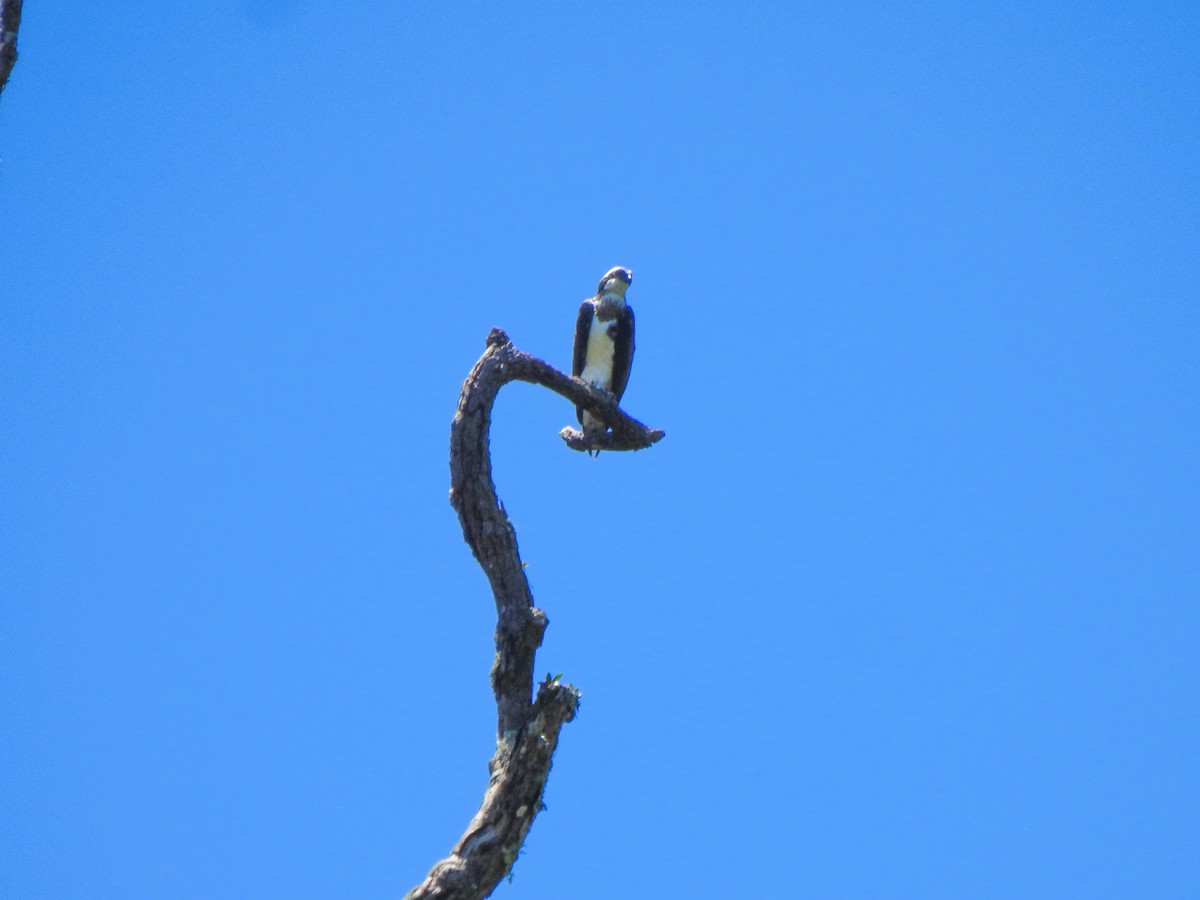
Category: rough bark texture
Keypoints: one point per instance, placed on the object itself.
(527, 726)
(10, 21)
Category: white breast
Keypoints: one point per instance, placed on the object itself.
(598, 365)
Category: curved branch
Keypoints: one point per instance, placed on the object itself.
(10, 21)
(527, 727)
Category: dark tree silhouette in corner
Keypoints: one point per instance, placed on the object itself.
(10, 21)
(528, 723)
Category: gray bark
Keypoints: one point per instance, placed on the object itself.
(528, 725)
(10, 21)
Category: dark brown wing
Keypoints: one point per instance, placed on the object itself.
(623, 352)
(583, 325)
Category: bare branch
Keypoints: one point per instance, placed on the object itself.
(10, 21)
(527, 727)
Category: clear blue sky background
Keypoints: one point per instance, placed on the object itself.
(906, 603)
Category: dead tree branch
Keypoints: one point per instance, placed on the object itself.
(10, 21)
(527, 726)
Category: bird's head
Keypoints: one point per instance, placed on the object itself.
(615, 281)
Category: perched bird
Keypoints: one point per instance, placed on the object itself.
(604, 341)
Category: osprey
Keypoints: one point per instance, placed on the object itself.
(604, 341)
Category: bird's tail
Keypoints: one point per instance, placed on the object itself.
(590, 425)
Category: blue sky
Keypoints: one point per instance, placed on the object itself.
(905, 605)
